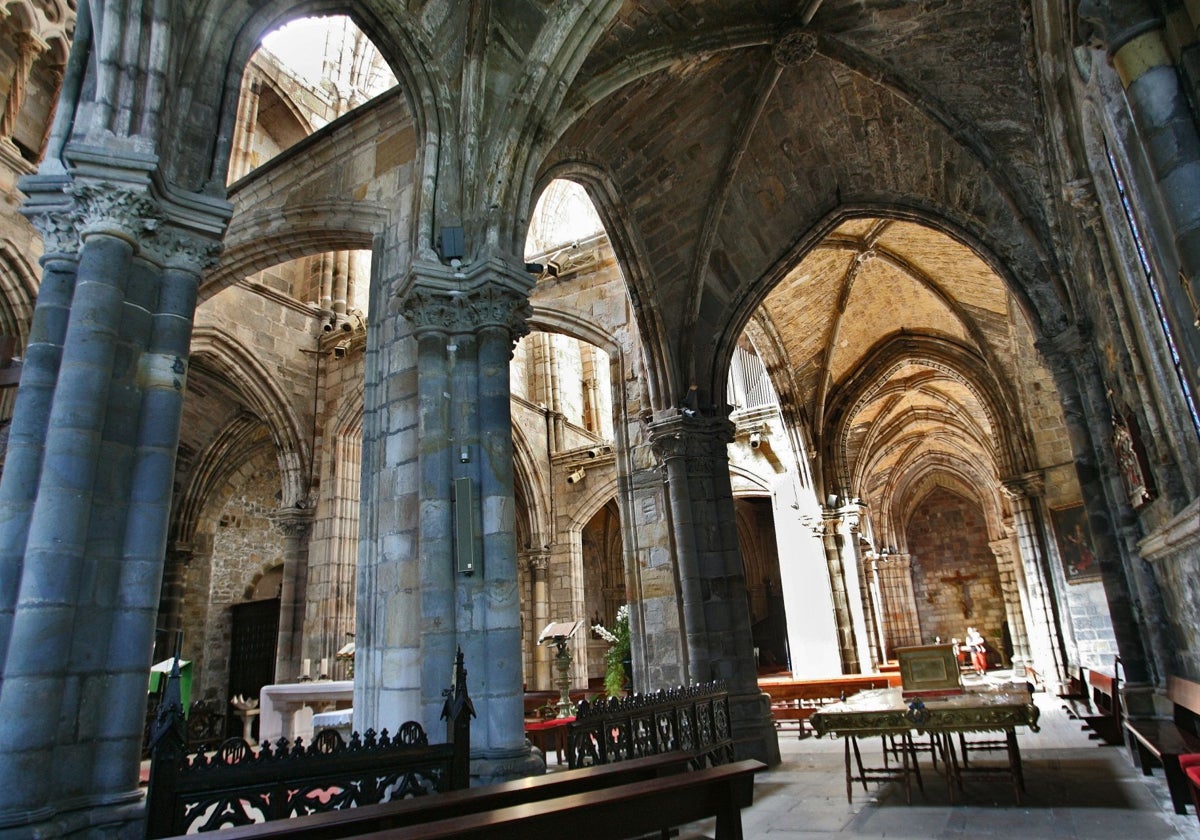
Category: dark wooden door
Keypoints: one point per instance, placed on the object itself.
(252, 641)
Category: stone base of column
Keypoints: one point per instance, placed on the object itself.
(1143, 700)
(754, 734)
(125, 821)
(489, 769)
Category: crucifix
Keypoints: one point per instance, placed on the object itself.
(963, 582)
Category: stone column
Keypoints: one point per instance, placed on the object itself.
(1016, 601)
(1044, 634)
(98, 432)
(170, 609)
(712, 581)
(539, 562)
(294, 525)
(465, 322)
(850, 517)
(841, 591)
(1135, 37)
(31, 412)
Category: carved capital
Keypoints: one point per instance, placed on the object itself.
(293, 522)
(175, 248)
(1028, 486)
(467, 311)
(691, 437)
(795, 48)
(60, 236)
(105, 208)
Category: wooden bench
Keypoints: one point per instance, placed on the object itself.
(1105, 694)
(626, 810)
(1161, 741)
(794, 701)
(331, 825)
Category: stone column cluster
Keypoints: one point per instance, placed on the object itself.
(465, 325)
(1037, 595)
(1135, 37)
(86, 489)
(712, 583)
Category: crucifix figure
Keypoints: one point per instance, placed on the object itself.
(963, 582)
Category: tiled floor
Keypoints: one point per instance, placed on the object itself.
(1075, 788)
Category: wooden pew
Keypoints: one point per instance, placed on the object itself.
(1105, 720)
(330, 825)
(794, 701)
(633, 810)
(1161, 741)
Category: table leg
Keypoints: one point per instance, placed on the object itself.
(950, 758)
(849, 780)
(912, 751)
(1014, 763)
(862, 773)
(904, 756)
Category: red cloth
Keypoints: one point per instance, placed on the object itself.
(533, 725)
(1189, 760)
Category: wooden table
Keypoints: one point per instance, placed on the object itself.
(885, 712)
(549, 733)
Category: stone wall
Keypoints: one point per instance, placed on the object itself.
(955, 578)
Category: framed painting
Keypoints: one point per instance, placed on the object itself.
(929, 671)
(1074, 540)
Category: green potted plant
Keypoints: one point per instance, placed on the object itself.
(617, 657)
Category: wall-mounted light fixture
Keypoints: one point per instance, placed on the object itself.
(341, 349)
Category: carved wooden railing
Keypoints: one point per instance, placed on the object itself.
(237, 785)
(692, 719)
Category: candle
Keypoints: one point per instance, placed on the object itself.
(324, 668)
(306, 668)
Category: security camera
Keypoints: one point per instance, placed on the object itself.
(576, 476)
(755, 440)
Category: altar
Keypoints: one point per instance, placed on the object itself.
(885, 713)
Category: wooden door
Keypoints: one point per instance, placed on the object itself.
(253, 636)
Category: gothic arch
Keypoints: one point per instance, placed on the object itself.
(259, 389)
(958, 363)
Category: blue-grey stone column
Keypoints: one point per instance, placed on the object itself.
(97, 455)
(1135, 36)
(159, 373)
(43, 667)
(712, 579)
(430, 313)
(31, 413)
(465, 322)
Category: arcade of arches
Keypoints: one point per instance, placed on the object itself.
(806, 329)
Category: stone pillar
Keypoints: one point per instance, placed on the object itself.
(538, 562)
(465, 322)
(243, 152)
(170, 604)
(847, 644)
(1016, 602)
(294, 525)
(1044, 633)
(1134, 601)
(31, 412)
(712, 582)
(848, 525)
(1135, 37)
(85, 533)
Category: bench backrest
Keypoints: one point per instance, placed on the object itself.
(626, 810)
(692, 719)
(1105, 691)
(1185, 695)
(334, 825)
